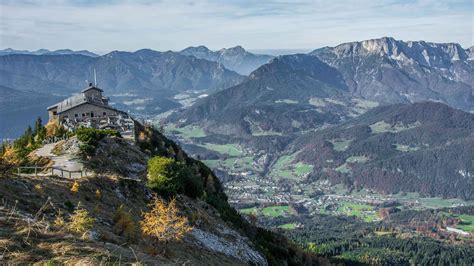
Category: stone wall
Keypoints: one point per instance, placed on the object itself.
(84, 111)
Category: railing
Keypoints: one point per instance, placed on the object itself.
(55, 139)
(82, 172)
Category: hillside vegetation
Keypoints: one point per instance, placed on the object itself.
(96, 219)
(424, 147)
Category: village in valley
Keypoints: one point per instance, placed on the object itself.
(284, 194)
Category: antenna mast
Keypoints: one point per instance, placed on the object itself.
(95, 78)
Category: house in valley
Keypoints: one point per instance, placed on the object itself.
(90, 109)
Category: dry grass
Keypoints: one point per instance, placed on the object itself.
(29, 234)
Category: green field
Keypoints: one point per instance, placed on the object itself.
(334, 101)
(436, 203)
(211, 163)
(241, 163)
(187, 132)
(365, 104)
(252, 210)
(275, 211)
(363, 211)
(301, 168)
(467, 222)
(406, 148)
(357, 159)
(285, 168)
(233, 150)
(382, 127)
(286, 101)
(343, 168)
(341, 144)
(318, 102)
(289, 226)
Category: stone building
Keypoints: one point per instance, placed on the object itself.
(90, 109)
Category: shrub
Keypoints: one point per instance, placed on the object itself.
(39, 189)
(90, 138)
(163, 175)
(169, 177)
(53, 129)
(80, 221)
(124, 225)
(163, 222)
(59, 220)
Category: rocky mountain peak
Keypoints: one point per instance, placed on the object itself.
(232, 50)
(424, 53)
(234, 58)
(201, 52)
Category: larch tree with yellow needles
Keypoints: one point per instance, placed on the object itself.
(163, 221)
(75, 187)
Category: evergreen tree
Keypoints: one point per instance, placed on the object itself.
(40, 130)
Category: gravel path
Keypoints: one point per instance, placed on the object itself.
(64, 161)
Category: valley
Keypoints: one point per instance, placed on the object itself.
(279, 192)
(253, 186)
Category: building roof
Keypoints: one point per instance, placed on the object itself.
(77, 100)
(92, 87)
(80, 99)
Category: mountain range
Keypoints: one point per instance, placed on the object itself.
(373, 72)
(286, 106)
(392, 71)
(277, 98)
(142, 82)
(145, 71)
(10, 51)
(235, 58)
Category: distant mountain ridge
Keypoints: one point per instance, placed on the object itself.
(235, 58)
(10, 51)
(20, 108)
(117, 72)
(275, 98)
(393, 71)
(144, 82)
(342, 81)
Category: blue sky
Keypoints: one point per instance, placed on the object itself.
(255, 24)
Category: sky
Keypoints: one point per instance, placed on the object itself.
(103, 26)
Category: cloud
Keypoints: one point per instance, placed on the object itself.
(173, 25)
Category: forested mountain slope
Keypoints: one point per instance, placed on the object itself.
(284, 96)
(423, 147)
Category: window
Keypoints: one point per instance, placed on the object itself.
(104, 113)
(92, 114)
(76, 115)
(55, 113)
(83, 115)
